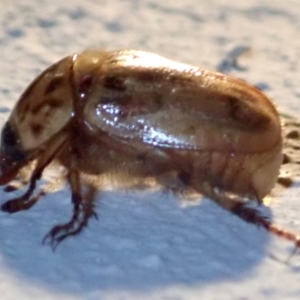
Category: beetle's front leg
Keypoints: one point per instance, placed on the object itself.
(26, 201)
(83, 198)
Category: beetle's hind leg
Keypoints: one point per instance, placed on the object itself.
(252, 215)
(83, 198)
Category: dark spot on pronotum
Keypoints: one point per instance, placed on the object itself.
(54, 83)
(36, 129)
(53, 102)
(37, 108)
(114, 82)
(294, 135)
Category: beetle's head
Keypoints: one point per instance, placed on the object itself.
(12, 156)
(43, 110)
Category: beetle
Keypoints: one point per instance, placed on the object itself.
(141, 115)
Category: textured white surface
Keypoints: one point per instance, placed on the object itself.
(145, 246)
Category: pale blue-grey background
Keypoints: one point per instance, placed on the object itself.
(145, 244)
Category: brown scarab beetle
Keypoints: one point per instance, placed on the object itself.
(143, 116)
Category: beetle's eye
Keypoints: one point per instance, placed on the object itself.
(10, 144)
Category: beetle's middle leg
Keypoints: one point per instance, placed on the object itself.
(83, 198)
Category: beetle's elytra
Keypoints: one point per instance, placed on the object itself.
(142, 115)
